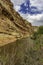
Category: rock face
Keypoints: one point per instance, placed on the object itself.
(12, 25)
(16, 46)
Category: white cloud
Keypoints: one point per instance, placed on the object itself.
(17, 8)
(34, 19)
(17, 2)
(37, 3)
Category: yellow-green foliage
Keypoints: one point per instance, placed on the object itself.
(40, 30)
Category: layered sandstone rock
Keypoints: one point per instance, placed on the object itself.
(12, 25)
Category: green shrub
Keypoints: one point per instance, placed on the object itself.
(40, 30)
(34, 36)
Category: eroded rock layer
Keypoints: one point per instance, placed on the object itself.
(12, 25)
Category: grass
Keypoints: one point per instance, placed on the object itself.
(23, 52)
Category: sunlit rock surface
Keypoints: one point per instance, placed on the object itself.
(16, 45)
(12, 25)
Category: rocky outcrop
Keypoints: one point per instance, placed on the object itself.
(12, 25)
(16, 45)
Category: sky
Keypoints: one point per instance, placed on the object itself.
(31, 10)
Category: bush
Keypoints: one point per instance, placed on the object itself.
(34, 36)
(40, 30)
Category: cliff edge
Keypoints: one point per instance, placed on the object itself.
(12, 25)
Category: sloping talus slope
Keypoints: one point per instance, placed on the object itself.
(12, 26)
